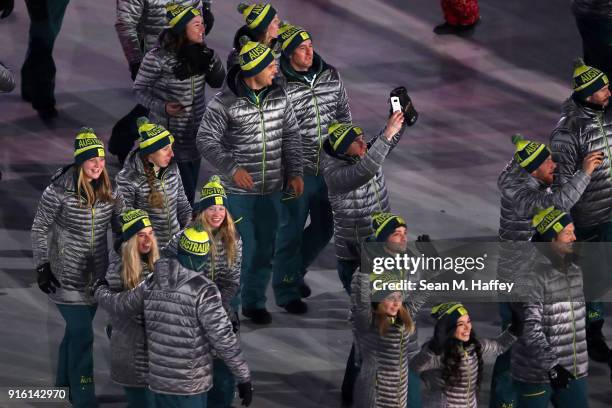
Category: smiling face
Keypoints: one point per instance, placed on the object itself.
(215, 215)
(563, 243)
(463, 328)
(195, 30)
(92, 168)
(392, 303)
(398, 240)
(144, 239)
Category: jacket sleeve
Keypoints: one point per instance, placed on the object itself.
(171, 247)
(129, 13)
(361, 309)
(499, 345)
(210, 138)
(343, 178)
(149, 73)
(292, 143)
(124, 304)
(343, 110)
(425, 360)
(230, 282)
(534, 337)
(7, 79)
(218, 330)
(184, 210)
(565, 153)
(118, 209)
(126, 191)
(527, 200)
(49, 208)
(113, 272)
(216, 74)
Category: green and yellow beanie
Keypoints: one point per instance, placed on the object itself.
(384, 224)
(194, 242)
(447, 314)
(341, 135)
(529, 155)
(549, 222)
(291, 37)
(133, 221)
(257, 16)
(254, 57)
(212, 193)
(87, 146)
(179, 15)
(152, 137)
(587, 80)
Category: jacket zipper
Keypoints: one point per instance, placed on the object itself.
(603, 134)
(373, 181)
(163, 185)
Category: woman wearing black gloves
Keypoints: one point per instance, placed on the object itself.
(171, 82)
(76, 209)
(451, 362)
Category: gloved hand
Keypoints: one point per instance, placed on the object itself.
(6, 6)
(245, 392)
(424, 245)
(194, 59)
(516, 326)
(560, 377)
(96, 285)
(410, 114)
(45, 279)
(436, 343)
(235, 320)
(134, 70)
(209, 20)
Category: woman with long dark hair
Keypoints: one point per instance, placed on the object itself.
(171, 83)
(76, 210)
(451, 363)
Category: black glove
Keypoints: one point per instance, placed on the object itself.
(437, 341)
(209, 20)
(96, 285)
(245, 392)
(235, 321)
(559, 377)
(424, 245)
(134, 70)
(410, 114)
(516, 326)
(194, 59)
(45, 278)
(6, 6)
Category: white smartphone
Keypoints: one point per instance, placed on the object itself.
(395, 104)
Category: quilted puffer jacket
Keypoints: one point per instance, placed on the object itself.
(463, 393)
(133, 188)
(383, 377)
(128, 343)
(78, 233)
(319, 99)
(139, 23)
(592, 8)
(155, 85)
(184, 321)
(257, 132)
(581, 130)
(356, 190)
(554, 328)
(522, 196)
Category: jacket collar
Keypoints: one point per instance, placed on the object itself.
(318, 66)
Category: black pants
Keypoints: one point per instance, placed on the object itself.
(38, 71)
(596, 36)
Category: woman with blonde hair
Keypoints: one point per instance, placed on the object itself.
(76, 210)
(150, 181)
(131, 261)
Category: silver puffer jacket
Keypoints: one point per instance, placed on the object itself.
(155, 85)
(128, 343)
(554, 329)
(592, 8)
(356, 190)
(7, 79)
(184, 321)
(257, 133)
(139, 23)
(582, 130)
(227, 279)
(522, 196)
(133, 189)
(318, 102)
(462, 394)
(78, 234)
(383, 377)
